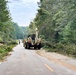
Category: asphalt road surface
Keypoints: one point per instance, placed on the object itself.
(26, 62)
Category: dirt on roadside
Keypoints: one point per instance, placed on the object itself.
(66, 61)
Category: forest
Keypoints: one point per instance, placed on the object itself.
(56, 22)
(9, 30)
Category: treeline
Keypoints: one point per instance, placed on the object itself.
(56, 22)
(8, 30)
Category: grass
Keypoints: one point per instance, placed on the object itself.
(66, 49)
(4, 50)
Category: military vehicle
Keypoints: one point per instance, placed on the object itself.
(32, 41)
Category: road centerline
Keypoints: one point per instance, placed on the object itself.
(49, 68)
(0, 62)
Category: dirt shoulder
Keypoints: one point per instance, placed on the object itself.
(66, 61)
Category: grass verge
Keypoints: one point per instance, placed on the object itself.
(66, 49)
(5, 49)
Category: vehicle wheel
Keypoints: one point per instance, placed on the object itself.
(35, 46)
(28, 46)
(39, 46)
(25, 45)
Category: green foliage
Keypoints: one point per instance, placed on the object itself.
(1, 39)
(18, 32)
(4, 50)
(56, 22)
(27, 31)
(12, 42)
(8, 29)
(4, 13)
(66, 49)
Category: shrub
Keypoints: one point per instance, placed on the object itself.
(67, 49)
(1, 39)
(4, 50)
(12, 43)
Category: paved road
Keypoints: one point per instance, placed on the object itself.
(27, 62)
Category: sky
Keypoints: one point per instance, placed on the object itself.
(23, 11)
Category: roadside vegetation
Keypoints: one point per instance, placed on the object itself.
(66, 49)
(56, 22)
(5, 49)
(9, 30)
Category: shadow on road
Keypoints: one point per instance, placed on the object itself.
(32, 49)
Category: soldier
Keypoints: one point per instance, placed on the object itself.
(19, 41)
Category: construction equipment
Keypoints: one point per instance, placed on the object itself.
(32, 41)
